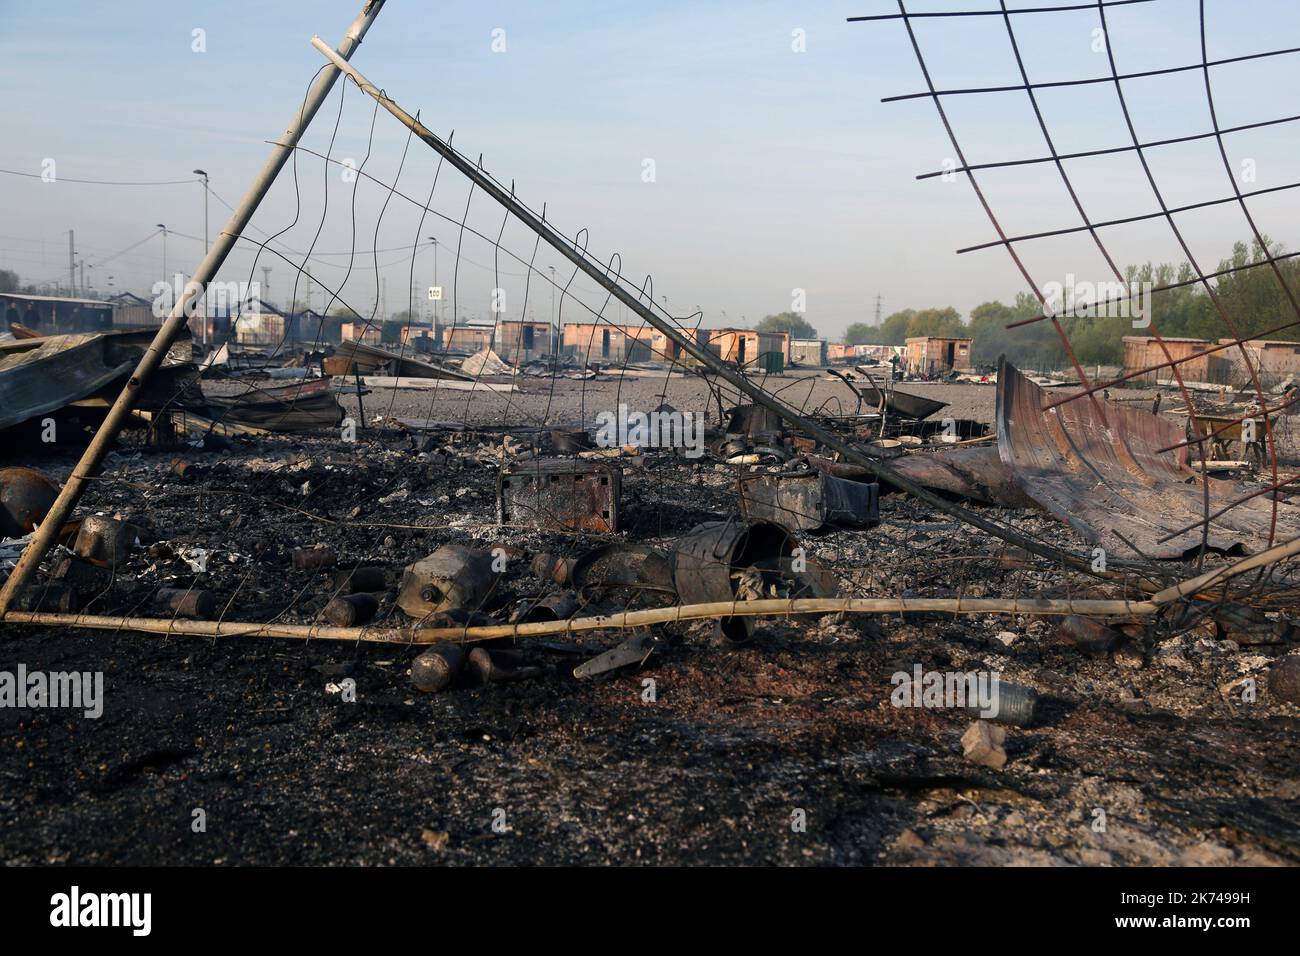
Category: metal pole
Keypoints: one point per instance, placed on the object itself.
(552, 268)
(94, 455)
(731, 375)
(764, 607)
(207, 247)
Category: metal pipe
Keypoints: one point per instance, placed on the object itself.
(770, 607)
(177, 319)
(1190, 586)
(735, 378)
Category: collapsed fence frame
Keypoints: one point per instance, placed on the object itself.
(506, 198)
(93, 457)
(1137, 146)
(338, 63)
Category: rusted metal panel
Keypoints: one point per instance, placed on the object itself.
(1109, 481)
(558, 494)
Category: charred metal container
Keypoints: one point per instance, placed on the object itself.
(732, 560)
(556, 606)
(808, 500)
(436, 668)
(104, 541)
(55, 596)
(25, 499)
(558, 494)
(1017, 704)
(491, 670)
(187, 602)
(622, 572)
(451, 577)
(753, 420)
(350, 610)
(552, 567)
(704, 561)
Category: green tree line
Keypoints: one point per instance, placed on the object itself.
(1252, 298)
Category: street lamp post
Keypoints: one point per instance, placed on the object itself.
(552, 268)
(206, 249)
(436, 331)
(164, 235)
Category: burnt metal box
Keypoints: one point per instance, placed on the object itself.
(809, 500)
(559, 494)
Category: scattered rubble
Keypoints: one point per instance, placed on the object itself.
(435, 520)
(982, 743)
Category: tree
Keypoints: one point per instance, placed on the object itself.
(944, 322)
(1253, 297)
(1034, 346)
(8, 281)
(859, 333)
(893, 331)
(791, 322)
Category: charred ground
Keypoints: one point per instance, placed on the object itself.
(737, 739)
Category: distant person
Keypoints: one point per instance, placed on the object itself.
(11, 315)
(32, 318)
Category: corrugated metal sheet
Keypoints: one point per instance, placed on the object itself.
(41, 375)
(1109, 482)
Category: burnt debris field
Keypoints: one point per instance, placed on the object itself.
(785, 745)
(412, 512)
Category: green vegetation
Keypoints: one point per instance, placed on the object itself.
(791, 322)
(1252, 298)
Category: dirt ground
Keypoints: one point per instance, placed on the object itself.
(784, 750)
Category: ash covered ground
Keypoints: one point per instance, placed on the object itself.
(738, 738)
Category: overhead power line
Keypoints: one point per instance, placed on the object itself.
(101, 182)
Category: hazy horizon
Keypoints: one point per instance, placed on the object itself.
(775, 169)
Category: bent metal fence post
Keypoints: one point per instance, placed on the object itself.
(688, 345)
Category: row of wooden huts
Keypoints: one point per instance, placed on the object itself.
(1202, 361)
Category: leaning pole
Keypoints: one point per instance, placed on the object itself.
(99, 446)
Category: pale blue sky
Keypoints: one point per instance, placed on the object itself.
(775, 170)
